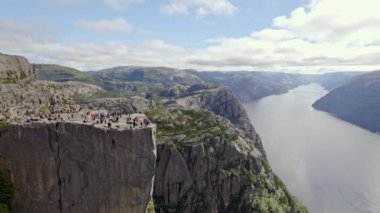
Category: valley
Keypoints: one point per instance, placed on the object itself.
(330, 164)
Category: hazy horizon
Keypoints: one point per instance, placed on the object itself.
(302, 36)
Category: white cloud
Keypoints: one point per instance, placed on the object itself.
(120, 5)
(314, 38)
(117, 25)
(200, 7)
(348, 22)
(42, 48)
(326, 35)
(25, 31)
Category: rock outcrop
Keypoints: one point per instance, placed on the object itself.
(206, 164)
(209, 157)
(20, 99)
(356, 101)
(128, 105)
(221, 101)
(22, 94)
(66, 167)
(15, 68)
(253, 85)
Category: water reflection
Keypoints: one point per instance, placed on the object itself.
(331, 165)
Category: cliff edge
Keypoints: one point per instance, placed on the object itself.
(68, 167)
(15, 68)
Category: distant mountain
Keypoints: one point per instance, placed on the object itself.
(207, 156)
(332, 80)
(121, 81)
(52, 72)
(153, 75)
(357, 101)
(253, 85)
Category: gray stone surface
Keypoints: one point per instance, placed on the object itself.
(223, 102)
(125, 105)
(21, 93)
(15, 68)
(193, 179)
(68, 167)
(206, 165)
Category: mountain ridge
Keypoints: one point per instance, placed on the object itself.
(356, 101)
(202, 132)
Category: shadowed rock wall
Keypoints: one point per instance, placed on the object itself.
(14, 68)
(68, 167)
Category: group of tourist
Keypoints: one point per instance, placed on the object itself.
(115, 119)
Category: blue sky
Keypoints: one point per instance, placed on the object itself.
(186, 30)
(272, 35)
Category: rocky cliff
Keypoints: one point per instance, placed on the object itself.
(206, 164)
(15, 68)
(209, 157)
(356, 101)
(67, 167)
(253, 85)
(22, 94)
(221, 101)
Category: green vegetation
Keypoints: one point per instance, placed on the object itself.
(186, 127)
(59, 73)
(268, 203)
(172, 207)
(159, 75)
(6, 191)
(23, 76)
(99, 95)
(4, 208)
(4, 125)
(253, 178)
(265, 165)
(181, 128)
(9, 80)
(287, 198)
(299, 207)
(150, 208)
(44, 109)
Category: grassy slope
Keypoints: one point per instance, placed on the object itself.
(59, 73)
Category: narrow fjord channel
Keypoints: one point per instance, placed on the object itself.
(329, 164)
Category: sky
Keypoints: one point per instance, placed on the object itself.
(300, 36)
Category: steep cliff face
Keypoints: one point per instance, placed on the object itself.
(21, 93)
(223, 102)
(206, 164)
(356, 101)
(15, 68)
(209, 157)
(68, 167)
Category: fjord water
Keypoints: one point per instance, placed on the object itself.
(332, 166)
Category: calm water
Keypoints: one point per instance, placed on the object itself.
(330, 165)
